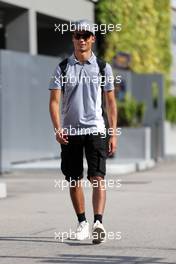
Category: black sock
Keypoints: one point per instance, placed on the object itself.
(81, 217)
(98, 217)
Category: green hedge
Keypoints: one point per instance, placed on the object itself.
(145, 33)
(171, 109)
(130, 112)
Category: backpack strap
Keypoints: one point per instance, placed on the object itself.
(102, 64)
(63, 67)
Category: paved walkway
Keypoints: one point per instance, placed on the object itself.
(142, 212)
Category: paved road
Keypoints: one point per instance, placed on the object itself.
(142, 212)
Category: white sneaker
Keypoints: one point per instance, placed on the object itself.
(98, 233)
(82, 231)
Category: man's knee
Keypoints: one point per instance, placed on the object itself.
(95, 178)
(75, 184)
(97, 182)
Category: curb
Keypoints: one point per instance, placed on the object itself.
(113, 166)
(145, 165)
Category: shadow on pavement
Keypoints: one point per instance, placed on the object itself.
(85, 259)
(75, 258)
(29, 239)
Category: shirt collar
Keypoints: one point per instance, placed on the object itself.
(90, 60)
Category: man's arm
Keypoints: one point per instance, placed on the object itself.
(54, 109)
(54, 106)
(111, 108)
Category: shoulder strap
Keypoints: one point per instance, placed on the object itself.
(63, 66)
(101, 64)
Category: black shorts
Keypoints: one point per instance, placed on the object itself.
(95, 147)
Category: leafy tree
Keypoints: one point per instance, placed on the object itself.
(145, 33)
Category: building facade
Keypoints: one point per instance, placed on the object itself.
(31, 25)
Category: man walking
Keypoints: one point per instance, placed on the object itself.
(78, 84)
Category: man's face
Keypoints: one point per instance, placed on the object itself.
(83, 40)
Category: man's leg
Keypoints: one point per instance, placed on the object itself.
(98, 195)
(95, 150)
(72, 166)
(77, 197)
(98, 200)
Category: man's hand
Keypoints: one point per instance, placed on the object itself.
(111, 107)
(61, 137)
(112, 144)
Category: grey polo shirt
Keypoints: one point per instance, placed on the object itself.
(81, 111)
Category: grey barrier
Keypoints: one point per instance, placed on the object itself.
(149, 88)
(26, 131)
